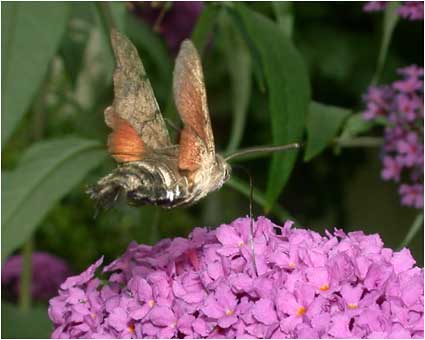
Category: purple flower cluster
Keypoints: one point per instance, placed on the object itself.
(401, 104)
(412, 10)
(175, 23)
(301, 285)
(48, 272)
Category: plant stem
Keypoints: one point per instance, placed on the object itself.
(359, 142)
(26, 276)
(416, 226)
(39, 115)
(160, 18)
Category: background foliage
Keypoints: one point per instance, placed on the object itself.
(275, 73)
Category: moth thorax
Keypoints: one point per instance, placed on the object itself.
(212, 176)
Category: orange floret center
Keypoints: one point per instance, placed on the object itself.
(324, 287)
(229, 312)
(301, 311)
(131, 328)
(352, 305)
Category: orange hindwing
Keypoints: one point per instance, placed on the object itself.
(124, 143)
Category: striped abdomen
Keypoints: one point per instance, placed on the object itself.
(155, 181)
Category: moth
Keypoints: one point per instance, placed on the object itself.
(151, 169)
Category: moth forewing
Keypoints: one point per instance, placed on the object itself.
(134, 99)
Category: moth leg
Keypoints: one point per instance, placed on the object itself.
(108, 189)
(173, 125)
(147, 122)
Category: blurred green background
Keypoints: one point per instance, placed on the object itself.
(264, 64)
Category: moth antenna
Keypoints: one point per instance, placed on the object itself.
(251, 218)
(262, 149)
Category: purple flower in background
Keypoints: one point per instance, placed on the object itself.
(48, 272)
(374, 6)
(308, 286)
(412, 10)
(401, 104)
(173, 20)
(412, 195)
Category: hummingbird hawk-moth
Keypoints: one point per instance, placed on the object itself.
(151, 169)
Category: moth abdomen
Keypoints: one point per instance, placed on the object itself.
(155, 196)
(140, 183)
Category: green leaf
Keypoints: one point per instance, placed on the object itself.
(47, 171)
(119, 13)
(111, 15)
(288, 91)
(391, 18)
(31, 33)
(31, 324)
(151, 44)
(323, 125)
(77, 34)
(283, 11)
(238, 61)
(355, 125)
(204, 27)
(418, 223)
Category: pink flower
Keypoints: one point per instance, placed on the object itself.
(377, 102)
(264, 311)
(412, 71)
(177, 22)
(412, 10)
(83, 278)
(408, 85)
(48, 272)
(401, 104)
(409, 106)
(374, 6)
(412, 195)
(221, 306)
(338, 285)
(392, 168)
